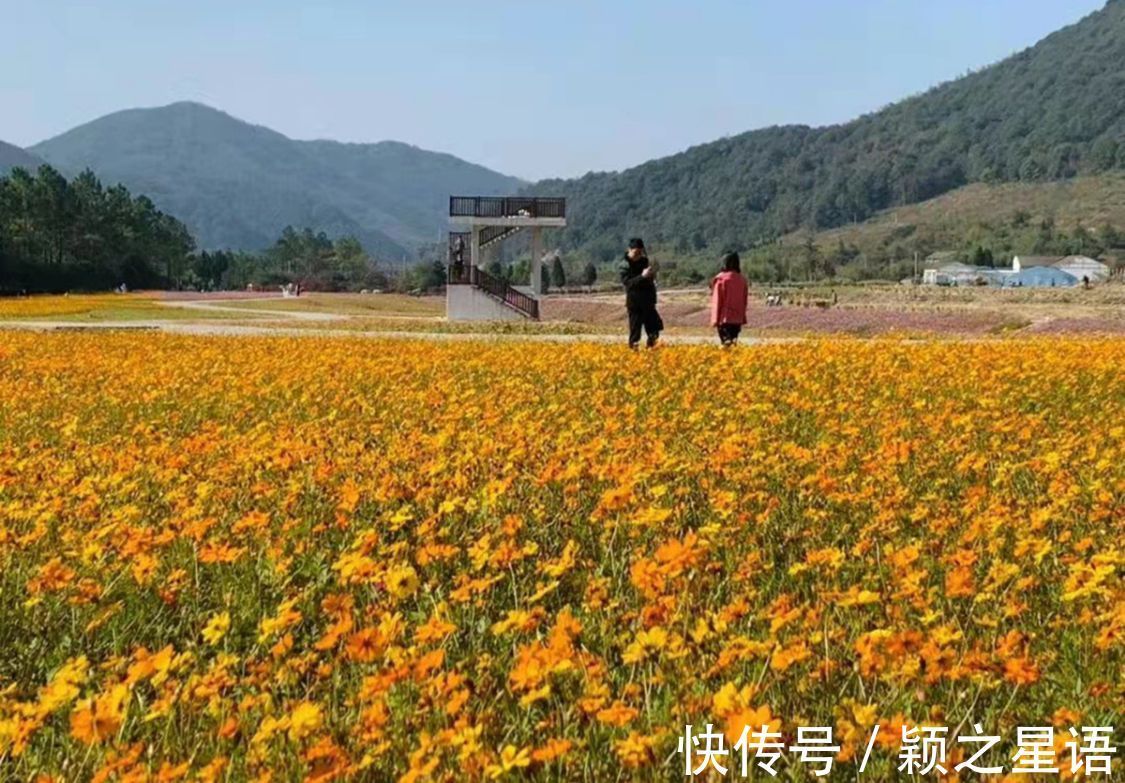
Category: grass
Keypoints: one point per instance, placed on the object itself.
(156, 313)
(100, 308)
(50, 307)
(350, 304)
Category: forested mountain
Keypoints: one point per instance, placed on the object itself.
(12, 156)
(238, 185)
(1051, 112)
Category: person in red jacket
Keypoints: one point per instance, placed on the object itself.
(729, 295)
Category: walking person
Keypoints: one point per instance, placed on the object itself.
(729, 296)
(639, 279)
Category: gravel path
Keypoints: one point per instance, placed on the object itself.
(297, 315)
(217, 328)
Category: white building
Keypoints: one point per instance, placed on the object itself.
(1020, 263)
(954, 273)
(1081, 268)
(1084, 268)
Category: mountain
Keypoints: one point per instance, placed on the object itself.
(1051, 112)
(12, 156)
(238, 185)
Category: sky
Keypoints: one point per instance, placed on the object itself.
(534, 89)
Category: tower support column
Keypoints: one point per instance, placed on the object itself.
(537, 260)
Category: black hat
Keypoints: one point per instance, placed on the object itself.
(636, 243)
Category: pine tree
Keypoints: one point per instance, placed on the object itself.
(558, 273)
(589, 274)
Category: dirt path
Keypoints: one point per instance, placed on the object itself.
(296, 315)
(217, 328)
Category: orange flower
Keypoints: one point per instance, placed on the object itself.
(552, 750)
(752, 718)
(617, 714)
(365, 645)
(1021, 671)
(635, 750)
(97, 719)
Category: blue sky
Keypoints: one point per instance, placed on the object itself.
(530, 88)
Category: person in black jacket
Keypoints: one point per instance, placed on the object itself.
(638, 277)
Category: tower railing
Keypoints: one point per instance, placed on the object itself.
(496, 287)
(507, 207)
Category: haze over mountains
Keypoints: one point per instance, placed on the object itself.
(237, 185)
(1052, 112)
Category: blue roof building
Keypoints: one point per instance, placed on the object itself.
(1040, 277)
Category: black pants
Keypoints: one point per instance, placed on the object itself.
(728, 333)
(647, 318)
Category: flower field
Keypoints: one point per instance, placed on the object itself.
(64, 306)
(327, 559)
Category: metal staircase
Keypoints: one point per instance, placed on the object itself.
(493, 234)
(490, 220)
(497, 288)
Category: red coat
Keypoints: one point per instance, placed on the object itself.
(729, 293)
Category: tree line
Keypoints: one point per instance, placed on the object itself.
(58, 235)
(77, 235)
(309, 258)
(553, 270)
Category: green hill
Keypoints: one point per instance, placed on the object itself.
(978, 223)
(238, 185)
(1006, 218)
(12, 157)
(1052, 112)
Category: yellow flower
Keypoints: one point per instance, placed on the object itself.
(64, 685)
(304, 719)
(286, 617)
(646, 644)
(511, 758)
(517, 619)
(401, 581)
(536, 695)
(216, 628)
(464, 545)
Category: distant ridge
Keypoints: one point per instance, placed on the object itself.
(12, 157)
(237, 185)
